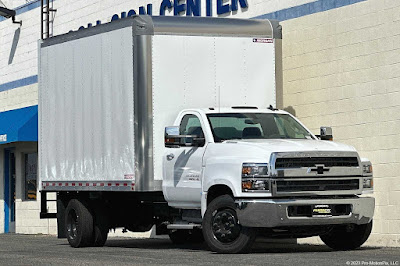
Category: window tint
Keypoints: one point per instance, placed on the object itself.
(191, 125)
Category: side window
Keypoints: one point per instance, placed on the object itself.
(190, 125)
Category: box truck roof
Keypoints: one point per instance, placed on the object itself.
(216, 110)
(194, 26)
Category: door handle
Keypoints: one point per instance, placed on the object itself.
(170, 156)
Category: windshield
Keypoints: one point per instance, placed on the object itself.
(227, 126)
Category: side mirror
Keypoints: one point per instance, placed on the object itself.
(171, 137)
(174, 140)
(325, 133)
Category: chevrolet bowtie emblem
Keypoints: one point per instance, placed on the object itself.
(320, 169)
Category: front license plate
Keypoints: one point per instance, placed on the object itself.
(321, 210)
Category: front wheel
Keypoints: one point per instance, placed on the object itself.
(347, 237)
(221, 229)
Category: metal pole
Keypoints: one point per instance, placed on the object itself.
(47, 19)
(41, 19)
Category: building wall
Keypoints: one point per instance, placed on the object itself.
(1, 191)
(27, 220)
(19, 97)
(27, 215)
(341, 68)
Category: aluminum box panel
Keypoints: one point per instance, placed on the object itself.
(86, 108)
(207, 71)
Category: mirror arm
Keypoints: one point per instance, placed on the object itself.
(199, 141)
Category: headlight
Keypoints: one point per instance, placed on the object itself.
(255, 177)
(368, 181)
(367, 168)
(254, 170)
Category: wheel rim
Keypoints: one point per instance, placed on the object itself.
(72, 224)
(225, 226)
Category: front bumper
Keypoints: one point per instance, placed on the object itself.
(274, 212)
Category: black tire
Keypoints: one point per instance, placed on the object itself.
(100, 236)
(341, 238)
(101, 228)
(79, 224)
(186, 236)
(221, 230)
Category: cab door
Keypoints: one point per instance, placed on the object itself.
(183, 166)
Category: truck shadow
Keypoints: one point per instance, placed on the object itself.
(259, 246)
(262, 247)
(155, 244)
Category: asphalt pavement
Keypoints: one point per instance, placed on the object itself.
(48, 250)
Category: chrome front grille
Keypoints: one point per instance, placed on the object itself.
(315, 173)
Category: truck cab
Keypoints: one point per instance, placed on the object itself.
(250, 169)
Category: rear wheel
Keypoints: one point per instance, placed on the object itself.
(101, 228)
(221, 229)
(347, 237)
(100, 236)
(79, 224)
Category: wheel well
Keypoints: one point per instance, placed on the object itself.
(216, 191)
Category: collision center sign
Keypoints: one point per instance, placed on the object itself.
(184, 7)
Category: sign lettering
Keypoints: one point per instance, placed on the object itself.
(183, 7)
(3, 138)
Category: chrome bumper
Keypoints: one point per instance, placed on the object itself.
(274, 212)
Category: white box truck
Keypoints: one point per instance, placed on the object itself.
(168, 122)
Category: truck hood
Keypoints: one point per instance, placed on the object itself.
(293, 145)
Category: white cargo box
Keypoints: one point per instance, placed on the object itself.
(106, 93)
